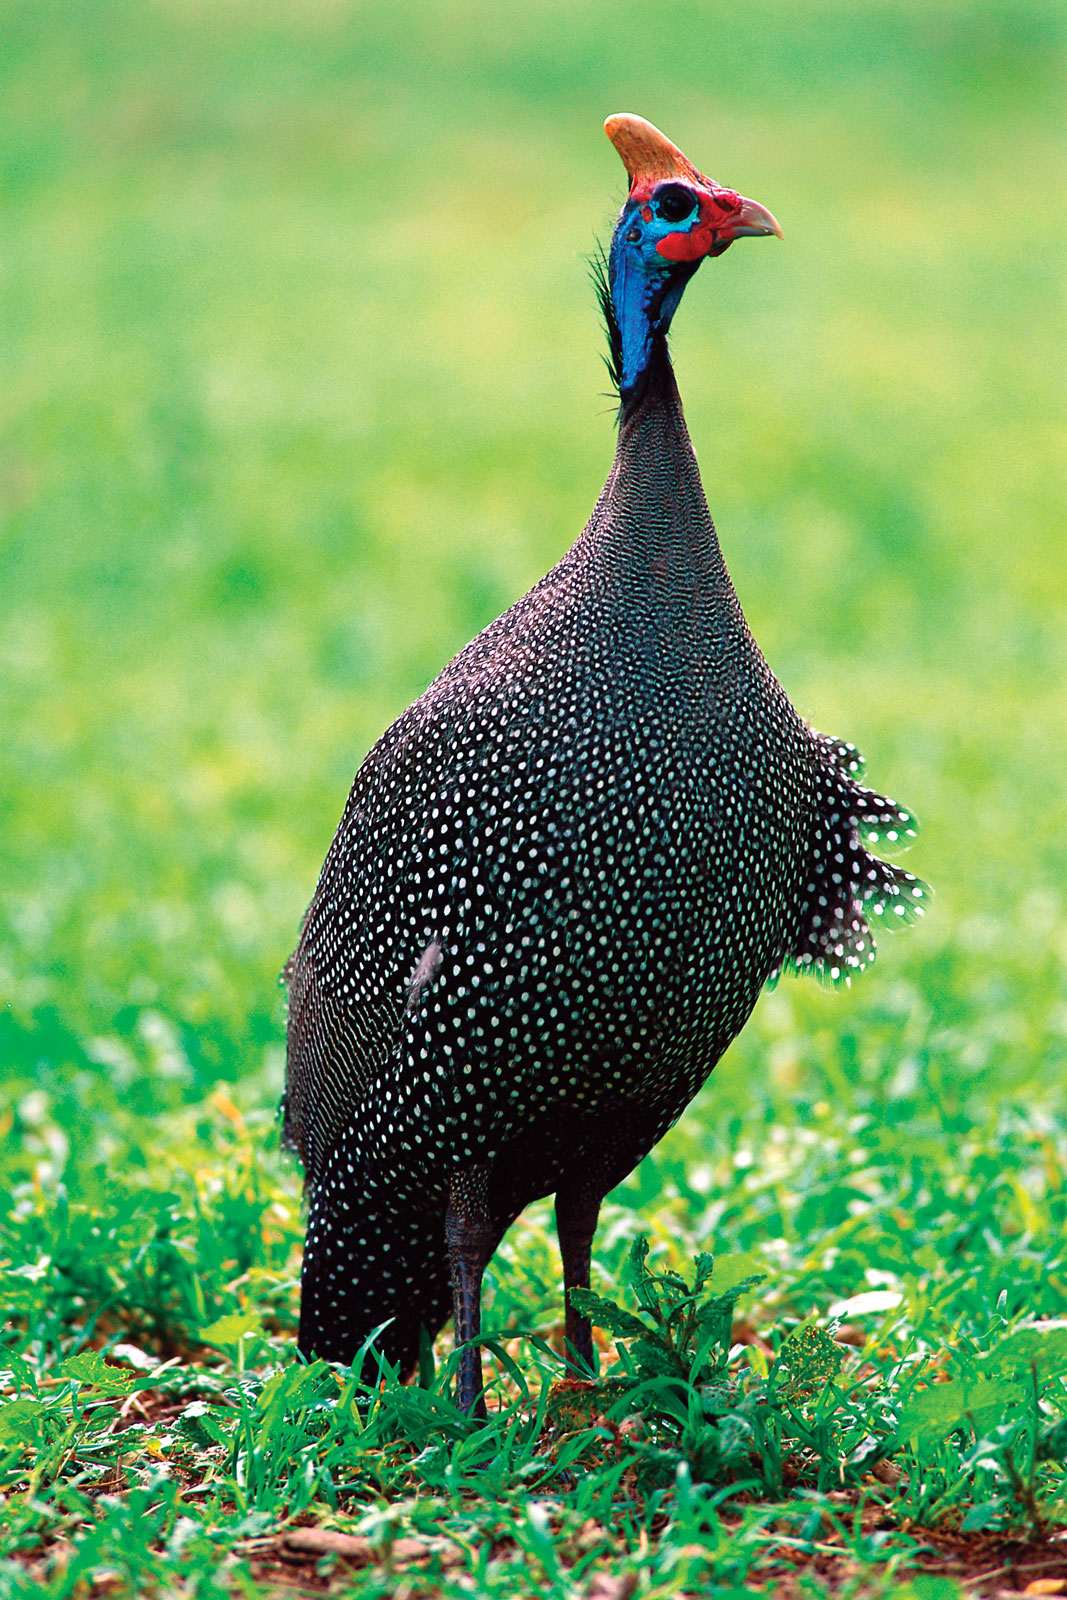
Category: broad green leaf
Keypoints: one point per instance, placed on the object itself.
(725, 1302)
(671, 1281)
(21, 1371)
(637, 1274)
(654, 1361)
(705, 1268)
(606, 1314)
(231, 1329)
(20, 1422)
(717, 1399)
(1043, 1348)
(89, 1366)
(929, 1415)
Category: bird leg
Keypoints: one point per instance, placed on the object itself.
(577, 1211)
(470, 1237)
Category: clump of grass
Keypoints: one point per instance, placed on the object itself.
(816, 1415)
(731, 1429)
(730, 1418)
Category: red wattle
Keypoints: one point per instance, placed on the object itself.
(687, 246)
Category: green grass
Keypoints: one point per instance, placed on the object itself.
(302, 385)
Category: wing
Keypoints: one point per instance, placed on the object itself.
(347, 975)
(371, 940)
(334, 1051)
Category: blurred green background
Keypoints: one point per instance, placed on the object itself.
(302, 384)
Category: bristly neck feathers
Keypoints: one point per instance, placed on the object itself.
(637, 307)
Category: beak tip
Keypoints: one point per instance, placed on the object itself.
(756, 220)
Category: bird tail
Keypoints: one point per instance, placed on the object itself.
(849, 891)
(371, 1259)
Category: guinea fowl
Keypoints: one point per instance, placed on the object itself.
(565, 873)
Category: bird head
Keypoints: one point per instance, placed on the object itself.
(673, 218)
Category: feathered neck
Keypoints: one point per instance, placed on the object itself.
(637, 315)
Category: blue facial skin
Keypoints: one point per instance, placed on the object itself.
(645, 287)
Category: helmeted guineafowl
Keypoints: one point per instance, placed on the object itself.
(565, 873)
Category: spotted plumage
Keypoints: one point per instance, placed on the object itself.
(562, 878)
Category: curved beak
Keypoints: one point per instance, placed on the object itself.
(753, 220)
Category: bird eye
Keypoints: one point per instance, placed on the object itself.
(674, 202)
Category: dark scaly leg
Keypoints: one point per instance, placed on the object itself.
(577, 1210)
(470, 1235)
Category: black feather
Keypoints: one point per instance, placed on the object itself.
(598, 271)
